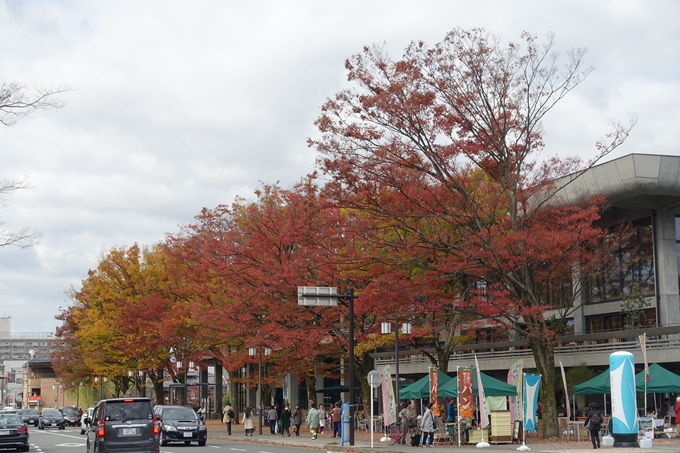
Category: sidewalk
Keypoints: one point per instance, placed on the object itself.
(362, 443)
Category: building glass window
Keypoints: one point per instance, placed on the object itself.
(616, 321)
(631, 268)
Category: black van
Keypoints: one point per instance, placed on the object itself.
(123, 425)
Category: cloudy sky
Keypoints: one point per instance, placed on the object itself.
(179, 105)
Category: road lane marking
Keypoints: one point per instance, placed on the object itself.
(238, 449)
(60, 434)
(69, 445)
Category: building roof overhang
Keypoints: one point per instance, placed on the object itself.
(635, 181)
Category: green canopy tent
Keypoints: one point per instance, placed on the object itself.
(492, 387)
(421, 388)
(334, 388)
(660, 380)
(599, 385)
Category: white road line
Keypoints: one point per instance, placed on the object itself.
(238, 449)
(266, 451)
(60, 434)
(214, 446)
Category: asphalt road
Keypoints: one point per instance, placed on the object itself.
(71, 441)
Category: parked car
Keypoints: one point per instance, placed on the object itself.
(180, 424)
(51, 418)
(71, 416)
(123, 425)
(30, 416)
(13, 432)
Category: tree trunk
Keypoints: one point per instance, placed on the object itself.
(311, 387)
(363, 366)
(544, 355)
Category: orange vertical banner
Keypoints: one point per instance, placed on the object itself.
(465, 397)
(434, 384)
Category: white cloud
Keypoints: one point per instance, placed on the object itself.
(177, 105)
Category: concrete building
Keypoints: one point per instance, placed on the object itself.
(643, 191)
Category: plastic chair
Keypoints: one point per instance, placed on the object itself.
(605, 425)
(565, 429)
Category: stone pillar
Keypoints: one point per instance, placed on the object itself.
(666, 268)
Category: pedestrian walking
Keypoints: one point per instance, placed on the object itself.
(677, 410)
(248, 422)
(336, 416)
(285, 419)
(408, 421)
(313, 420)
(272, 418)
(322, 418)
(297, 419)
(593, 422)
(428, 426)
(228, 417)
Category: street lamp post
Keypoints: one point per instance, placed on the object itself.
(325, 296)
(56, 399)
(252, 352)
(386, 328)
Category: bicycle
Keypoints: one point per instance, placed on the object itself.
(396, 434)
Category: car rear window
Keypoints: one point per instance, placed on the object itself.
(128, 410)
(29, 412)
(51, 413)
(10, 420)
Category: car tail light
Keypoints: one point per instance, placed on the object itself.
(156, 426)
(100, 429)
(22, 430)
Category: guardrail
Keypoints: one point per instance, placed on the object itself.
(570, 349)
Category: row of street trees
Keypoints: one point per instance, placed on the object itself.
(435, 205)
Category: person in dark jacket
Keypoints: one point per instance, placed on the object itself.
(594, 428)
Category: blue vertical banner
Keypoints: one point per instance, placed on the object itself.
(532, 385)
(624, 404)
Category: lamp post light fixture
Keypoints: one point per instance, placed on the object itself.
(101, 381)
(386, 328)
(252, 352)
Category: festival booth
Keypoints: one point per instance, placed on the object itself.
(660, 381)
(495, 393)
(421, 388)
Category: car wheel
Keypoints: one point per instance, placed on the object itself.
(164, 441)
(41, 427)
(35, 424)
(62, 427)
(26, 447)
(201, 443)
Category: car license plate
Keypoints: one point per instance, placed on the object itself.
(129, 431)
(187, 434)
(5, 432)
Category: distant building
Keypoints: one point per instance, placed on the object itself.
(19, 352)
